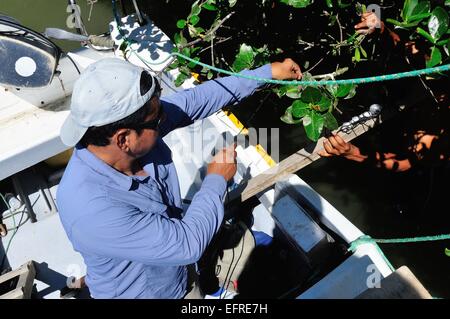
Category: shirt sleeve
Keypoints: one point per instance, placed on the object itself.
(126, 233)
(184, 107)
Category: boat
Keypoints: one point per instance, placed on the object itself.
(312, 237)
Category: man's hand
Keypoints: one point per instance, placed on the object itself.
(369, 23)
(286, 70)
(336, 146)
(224, 163)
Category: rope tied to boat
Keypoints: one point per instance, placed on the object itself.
(366, 239)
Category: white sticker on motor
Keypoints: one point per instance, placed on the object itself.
(25, 66)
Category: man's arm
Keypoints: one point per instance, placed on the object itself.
(184, 107)
(336, 146)
(127, 233)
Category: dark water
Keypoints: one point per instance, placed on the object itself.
(381, 204)
(40, 14)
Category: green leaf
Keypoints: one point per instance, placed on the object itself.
(311, 95)
(192, 31)
(210, 75)
(360, 8)
(408, 8)
(346, 5)
(343, 90)
(330, 121)
(357, 56)
(262, 56)
(174, 65)
(192, 64)
(435, 59)
(363, 52)
(323, 104)
(293, 91)
(232, 3)
(209, 7)
(181, 23)
(287, 117)
(420, 11)
(297, 3)
(443, 42)
(425, 34)
(402, 24)
(183, 76)
(416, 19)
(447, 252)
(196, 9)
(313, 124)
(200, 30)
(438, 23)
(308, 77)
(186, 52)
(332, 89)
(352, 38)
(394, 22)
(194, 50)
(352, 93)
(300, 109)
(244, 59)
(179, 39)
(194, 19)
(280, 90)
(180, 59)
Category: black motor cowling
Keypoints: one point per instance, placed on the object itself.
(27, 58)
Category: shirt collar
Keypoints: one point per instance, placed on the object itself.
(99, 166)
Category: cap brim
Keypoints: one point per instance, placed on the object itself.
(71, 132)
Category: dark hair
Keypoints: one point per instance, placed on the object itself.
(100, 135)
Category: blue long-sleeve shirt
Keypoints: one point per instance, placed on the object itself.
(129, 229)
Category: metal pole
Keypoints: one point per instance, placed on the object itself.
(138, 12)
(79, 21)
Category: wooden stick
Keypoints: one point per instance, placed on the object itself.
(295, 162)
(402, 284)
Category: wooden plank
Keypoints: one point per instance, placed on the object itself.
(402, 284)
(296, 161)
(26, 274)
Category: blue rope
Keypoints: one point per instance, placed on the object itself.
(369, 240)
(372, 79)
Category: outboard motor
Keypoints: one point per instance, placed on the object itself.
(27, 58)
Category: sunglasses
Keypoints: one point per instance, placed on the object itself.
(152, 124)
(155, 123)
(158, 89)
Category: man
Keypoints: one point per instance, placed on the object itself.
(119, 199)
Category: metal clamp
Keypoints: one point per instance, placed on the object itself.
(373, 112)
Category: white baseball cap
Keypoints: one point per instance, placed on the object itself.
(106, 91)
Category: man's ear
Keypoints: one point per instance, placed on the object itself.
(122, 139)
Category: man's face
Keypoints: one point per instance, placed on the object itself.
(140, 144)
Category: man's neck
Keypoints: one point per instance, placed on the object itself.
(118, 160)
